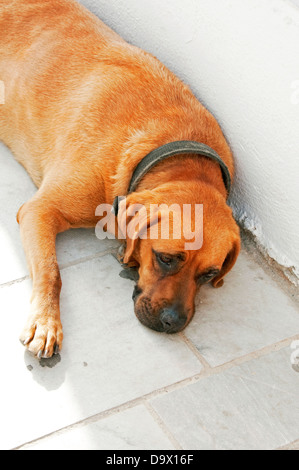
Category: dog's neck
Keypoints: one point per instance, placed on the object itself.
(176, 168)
(184, 168)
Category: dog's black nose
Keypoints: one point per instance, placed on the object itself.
(172, 320)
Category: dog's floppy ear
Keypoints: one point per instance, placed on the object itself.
(228, 262)
(133, 221)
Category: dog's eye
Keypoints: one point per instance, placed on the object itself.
(207, 276)
(164, 259)
(169, 263)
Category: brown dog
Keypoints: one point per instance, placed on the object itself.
(82, 108)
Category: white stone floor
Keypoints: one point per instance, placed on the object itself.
(226, 382)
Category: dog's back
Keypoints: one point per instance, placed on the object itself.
(73, 86)
(48, 51)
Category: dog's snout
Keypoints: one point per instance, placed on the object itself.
(172, 320)
(136, 292)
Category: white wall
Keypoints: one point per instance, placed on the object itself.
(241, 58)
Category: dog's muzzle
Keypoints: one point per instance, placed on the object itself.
(172, 320)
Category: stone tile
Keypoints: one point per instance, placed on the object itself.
(248, 313)
(78, 244)
(133, 429)
(252, 406)
(16, 188)
(108, 357)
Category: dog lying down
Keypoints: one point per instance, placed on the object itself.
(92, 117)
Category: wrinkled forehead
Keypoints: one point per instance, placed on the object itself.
(177, 227)
(207, 247)
(166, 246)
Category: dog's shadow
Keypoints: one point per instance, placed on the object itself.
(49, 373)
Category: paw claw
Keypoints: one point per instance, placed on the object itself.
(42, 336)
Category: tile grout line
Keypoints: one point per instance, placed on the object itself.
(250, 356)
(87, 258)
(168, 388)
(159, 421)
(194, 350)
(85, 421)
(15, 281)
(211, 370)
(291, 446)
(63, 266)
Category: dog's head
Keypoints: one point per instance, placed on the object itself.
(170, 264)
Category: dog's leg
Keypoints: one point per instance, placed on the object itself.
(40, 222)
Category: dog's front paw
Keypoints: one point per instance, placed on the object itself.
(42, 335)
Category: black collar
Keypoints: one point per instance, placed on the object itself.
(169, 150)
